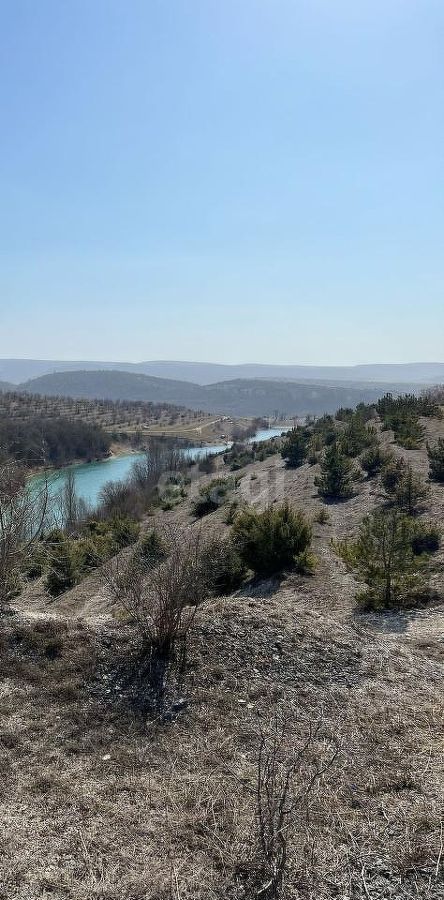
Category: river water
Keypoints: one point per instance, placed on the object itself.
(91, 477)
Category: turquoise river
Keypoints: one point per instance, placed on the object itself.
(91, 477)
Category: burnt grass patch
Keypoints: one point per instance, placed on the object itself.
(134, 681)
(239, 647)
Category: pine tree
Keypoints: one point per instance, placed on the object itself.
(357, 437)
(403, 487)
(373, 460)
(295, 448)
(410, 491)
(337, 474)
(383, 557)
(436, 460)
(63, 569)
(271, 540)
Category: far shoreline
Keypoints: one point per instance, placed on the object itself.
(118, 450)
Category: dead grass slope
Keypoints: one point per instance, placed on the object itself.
(99, 801)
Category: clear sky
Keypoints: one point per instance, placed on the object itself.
(222, 180)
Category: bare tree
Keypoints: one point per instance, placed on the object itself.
(22, 516)
(159, 459)
(134, 495)
(68, 501)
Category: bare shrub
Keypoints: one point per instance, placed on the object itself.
(160, 595)
(285, 777)
(22, 516)
(207, 463)
(71, 510)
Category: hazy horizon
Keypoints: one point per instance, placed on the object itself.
(219, 362)
(21, 371)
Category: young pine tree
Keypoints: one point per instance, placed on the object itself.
(436, 460)
(63, 570)
(373, 460)
(337, 474)
(410, 491)
(382, 556)
(403, 487)
(357, 437)
(271, 540)
(295, 448)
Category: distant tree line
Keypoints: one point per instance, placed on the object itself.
(51, 441)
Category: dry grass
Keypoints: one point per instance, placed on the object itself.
(100, 802)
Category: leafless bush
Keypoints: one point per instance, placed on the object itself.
(22, 515)
(160, 595)
(286, 775)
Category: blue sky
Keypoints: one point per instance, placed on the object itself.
(223, 180)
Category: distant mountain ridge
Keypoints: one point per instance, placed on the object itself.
(202, 373)
(236, 397)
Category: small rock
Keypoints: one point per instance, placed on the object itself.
(106, 757)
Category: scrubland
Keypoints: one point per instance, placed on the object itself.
(297, 747)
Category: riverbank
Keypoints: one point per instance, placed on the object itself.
(210, 438)
(90, 478)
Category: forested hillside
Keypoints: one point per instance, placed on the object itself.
(242, 397)
(56, 430)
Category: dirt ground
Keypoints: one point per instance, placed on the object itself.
(100, 800)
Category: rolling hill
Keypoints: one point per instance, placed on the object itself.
(239, 397)
(19, 370)
(115, 385)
